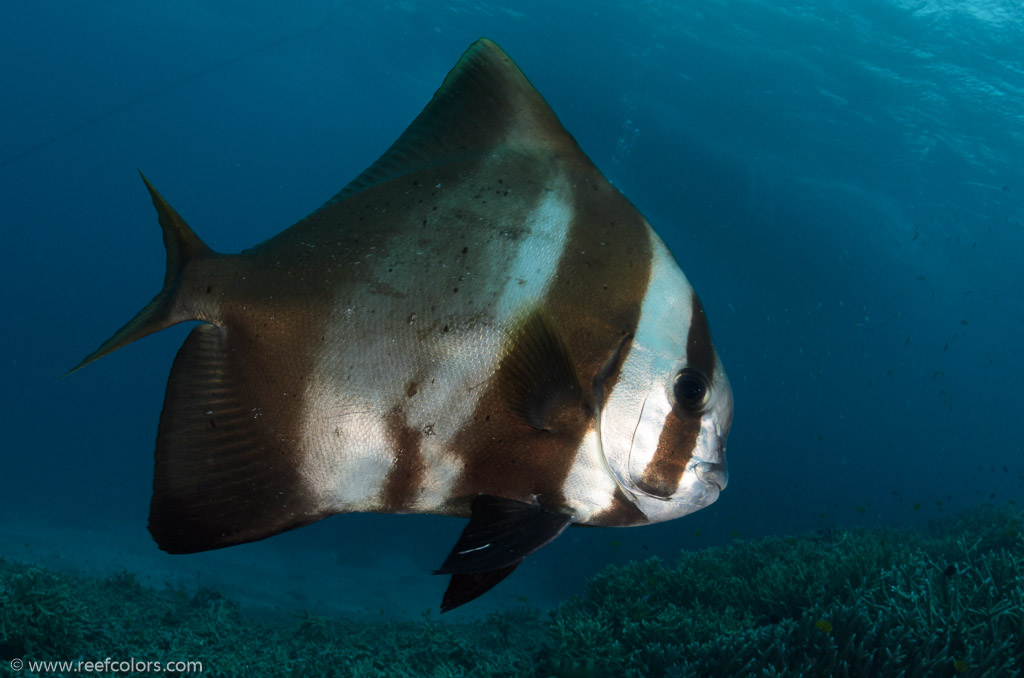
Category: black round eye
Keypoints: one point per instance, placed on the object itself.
(691, 389)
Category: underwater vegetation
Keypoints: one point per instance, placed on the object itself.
(944, 601)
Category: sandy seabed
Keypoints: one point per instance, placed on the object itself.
(275, 576)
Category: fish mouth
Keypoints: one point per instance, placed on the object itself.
(711, 473)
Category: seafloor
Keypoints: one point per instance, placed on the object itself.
(947, 600)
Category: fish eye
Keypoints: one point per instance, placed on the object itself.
(691, 389)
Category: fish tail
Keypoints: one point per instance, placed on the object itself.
(183, 248)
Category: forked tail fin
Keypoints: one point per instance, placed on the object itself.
(183, 247)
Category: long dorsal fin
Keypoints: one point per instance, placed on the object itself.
(484, 102)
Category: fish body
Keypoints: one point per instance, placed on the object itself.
(479, 325)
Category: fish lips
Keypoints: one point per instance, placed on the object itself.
(711, 473)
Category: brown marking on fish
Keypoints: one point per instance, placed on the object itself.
(622, 512)
(406, 477)
(700, 352)
(504, 456)
(679, 435)
(676, 444)
(606, 264)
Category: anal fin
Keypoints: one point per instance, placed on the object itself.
(223, 475)
(500, 534)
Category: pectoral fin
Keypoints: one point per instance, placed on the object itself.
(537, 376)
(500, 534)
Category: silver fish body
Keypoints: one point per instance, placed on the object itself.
(479, 325)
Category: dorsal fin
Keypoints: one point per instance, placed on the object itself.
(484, 102)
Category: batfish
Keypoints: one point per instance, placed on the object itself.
(479, 325)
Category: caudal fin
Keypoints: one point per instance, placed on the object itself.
(183, 247)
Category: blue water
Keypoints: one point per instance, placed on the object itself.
(841, 182)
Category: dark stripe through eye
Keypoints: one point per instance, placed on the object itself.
(691, 389)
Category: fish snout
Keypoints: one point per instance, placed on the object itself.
(712, 473)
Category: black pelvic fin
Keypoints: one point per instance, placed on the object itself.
(537, 376)
(500, 534)
(465, 587)
(183, 247)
